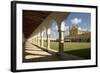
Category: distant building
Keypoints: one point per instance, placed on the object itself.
(76, 35)
(75, 31)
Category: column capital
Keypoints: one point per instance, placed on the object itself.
(61, 27)
(60, 30)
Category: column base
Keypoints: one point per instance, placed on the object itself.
(61, 55)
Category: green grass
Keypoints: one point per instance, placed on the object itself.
(81, 49)
(68, 46)
(54, 45)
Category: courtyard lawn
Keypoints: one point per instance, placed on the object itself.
(81, 49)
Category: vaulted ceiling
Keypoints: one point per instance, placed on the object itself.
(31, 20)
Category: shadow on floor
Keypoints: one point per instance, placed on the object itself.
(85, 53)
(52, 56)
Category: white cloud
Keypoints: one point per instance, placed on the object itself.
(66, 28)
(56, 27)
(79, 28)
(76, 21)
(82, 29)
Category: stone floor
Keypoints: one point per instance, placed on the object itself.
(33, 53)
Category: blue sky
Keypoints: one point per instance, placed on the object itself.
(84, 25)
(85, 17)
(54, 30)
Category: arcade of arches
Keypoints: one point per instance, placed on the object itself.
(36, 30)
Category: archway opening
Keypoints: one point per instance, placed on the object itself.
(54, 37)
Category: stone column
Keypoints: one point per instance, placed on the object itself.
(48, 38)
(33, 40)
(61, 38)
(42, 40)
(38, 39)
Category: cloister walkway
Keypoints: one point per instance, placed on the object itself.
(33, 53)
